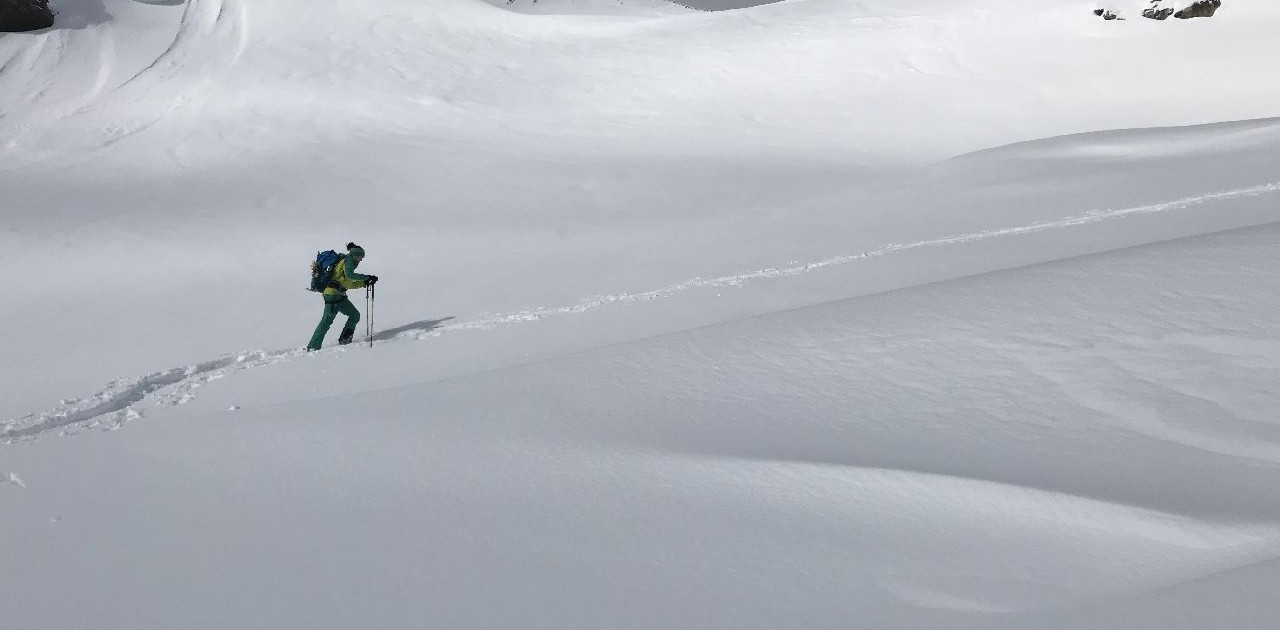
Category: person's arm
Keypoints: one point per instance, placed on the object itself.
(349, 273)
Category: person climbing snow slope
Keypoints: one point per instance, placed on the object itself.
(343, 277)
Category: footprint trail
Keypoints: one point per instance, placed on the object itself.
(118, 402)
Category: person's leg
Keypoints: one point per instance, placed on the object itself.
(353, 318)
(317, 338)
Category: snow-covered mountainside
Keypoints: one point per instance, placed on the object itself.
(626, 7)
(887, 314)
(632, 8)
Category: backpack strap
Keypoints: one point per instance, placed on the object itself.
(333, 275)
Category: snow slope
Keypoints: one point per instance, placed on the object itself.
(688, 319)
(1007, 207)
(614, 153)
(593, 7)
(1089, 440)
(625, 7)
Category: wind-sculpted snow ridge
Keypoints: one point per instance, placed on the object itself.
(117, 403)
(210, 37)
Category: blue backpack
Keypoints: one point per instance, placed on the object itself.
(322, 270)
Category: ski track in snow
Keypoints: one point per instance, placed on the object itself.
(118, 402)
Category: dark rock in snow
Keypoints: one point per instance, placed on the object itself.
(1203, 8)
(17, 16)
(1200, 8)
(1106, 15)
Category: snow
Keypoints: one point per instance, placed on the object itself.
(922, 314)
(979, 466)
(625, 7)
(592, 7)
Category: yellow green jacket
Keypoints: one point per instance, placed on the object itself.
(344, 277)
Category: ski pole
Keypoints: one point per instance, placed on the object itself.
(368, 295)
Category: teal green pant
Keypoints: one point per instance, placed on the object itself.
(331, 309)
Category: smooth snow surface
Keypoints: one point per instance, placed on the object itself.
(819, 314)
(625, 7)
(723, 5)
(592, 7)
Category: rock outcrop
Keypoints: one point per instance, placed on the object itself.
(17, 16)
(1162, 9)
(1203, 8)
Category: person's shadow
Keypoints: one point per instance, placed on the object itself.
(425, 325)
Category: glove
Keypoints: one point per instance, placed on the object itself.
(371, 280)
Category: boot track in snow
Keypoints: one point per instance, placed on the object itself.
(118, 402)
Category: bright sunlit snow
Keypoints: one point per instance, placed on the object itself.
(901, 314)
